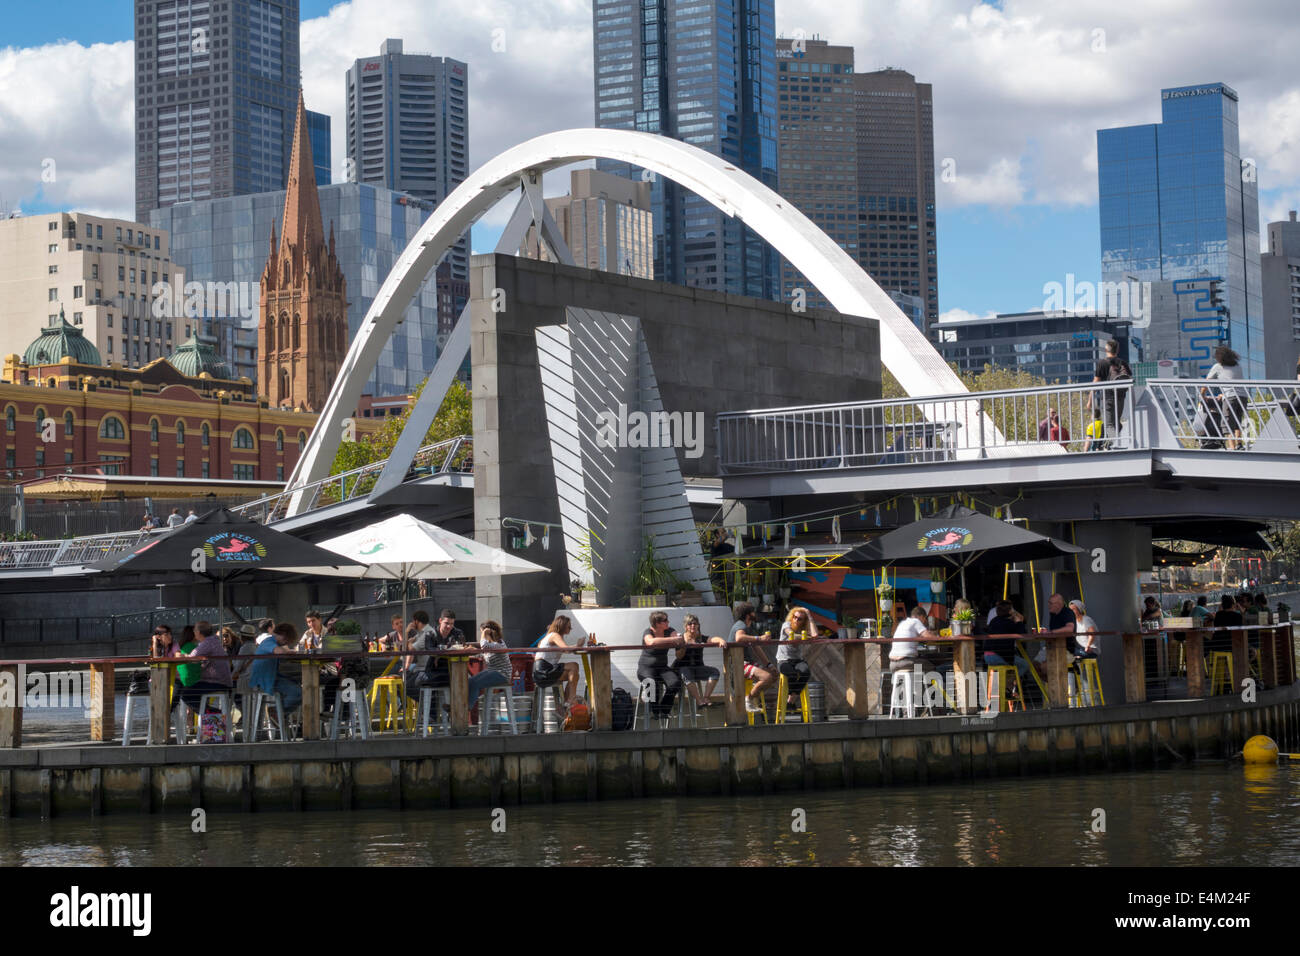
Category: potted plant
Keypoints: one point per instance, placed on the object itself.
(586, 588)
(885, 594)
(963, 621)
(651, 578)
(848, 626)
(687, 596)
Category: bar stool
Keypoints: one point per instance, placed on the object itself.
(431, 711)
(539, 696)
(1221, 672)
(133, 704)
(486, 707)
(1086, 683)
(782, 696)
(389, 692)
(591, 687)
(683, 699)
(219, 700)
(762, 703)
(900, 694)
(358, 715)
(1006, 677)
(262, 705)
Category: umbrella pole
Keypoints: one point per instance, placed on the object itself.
(404, 617)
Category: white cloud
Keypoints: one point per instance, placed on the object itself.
(961, 315)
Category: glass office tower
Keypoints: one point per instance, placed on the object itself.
(216, 83)
(226, 240)
(1180, 209)
(703, 72)
(318, 129)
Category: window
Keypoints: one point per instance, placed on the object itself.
(207, 436)
(302, 442)
(54, 270)
(119, 233)
(10, 458)
(279, 440)
(180, 433)
(205, 469)
(67, 458)
(111, 427)
(54, 247)
(180, 467)
(243, 472)
(243, 438)
(67, 423)
(153, 430)
(121, 273)
(279, 472)
(78, 291)
(90, 231)
(53, 226)
(99, 232)
(54, 295)
(40, 463)
(110, 346)
(94, 270)
(11, 419)
(40, 420)
(153, 467)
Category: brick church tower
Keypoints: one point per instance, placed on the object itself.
(302, 336)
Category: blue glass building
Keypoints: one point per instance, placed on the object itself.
(318, 128)
(1180, 208)
(228, 240)
(703, 72)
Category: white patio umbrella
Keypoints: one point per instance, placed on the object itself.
(403, 547)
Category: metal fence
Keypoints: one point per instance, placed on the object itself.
(453, 456)
(1242, 415)
(67, 519)
(1030, 422)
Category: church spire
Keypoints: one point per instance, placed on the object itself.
(302, 223)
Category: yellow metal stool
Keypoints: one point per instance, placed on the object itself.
(391, 691)
(591, 696)
(762, 704)
(1221, 672)
(783, 693)
(1007, 677)
(1089, 683)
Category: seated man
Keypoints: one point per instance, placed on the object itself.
(265, 675)
(1002, 650)
(904, 654)
(427, 670)
(758, 667)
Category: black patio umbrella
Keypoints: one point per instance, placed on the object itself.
(956, 537)
(221, 545)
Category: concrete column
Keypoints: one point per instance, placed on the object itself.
(290, 603)
(1110, 591)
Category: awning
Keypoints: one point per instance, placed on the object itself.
(97, 487)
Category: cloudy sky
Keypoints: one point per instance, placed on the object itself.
(1020, 88)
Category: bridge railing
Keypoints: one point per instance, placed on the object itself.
(452, 456)
(912, 431)
(1247, 415)
(67, 552)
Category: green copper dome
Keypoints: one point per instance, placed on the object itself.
(60, 340)
(194, 357)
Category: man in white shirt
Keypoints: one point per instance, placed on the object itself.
(191, 517)
(174, 520)
(910, 630)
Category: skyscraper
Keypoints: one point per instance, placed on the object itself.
(817, 120)
(1179, 208)
(1281, 273)
(408, 128)
(318, 127)
(703, 72)
(606, 223)
(897, 234)
(215, 85)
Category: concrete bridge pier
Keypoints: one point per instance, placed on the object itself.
(1114, 553)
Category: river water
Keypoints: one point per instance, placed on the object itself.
(1209, 814)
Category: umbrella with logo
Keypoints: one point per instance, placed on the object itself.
(956, 537)
(221, 545)
(403, 547)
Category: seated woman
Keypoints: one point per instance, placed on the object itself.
(549, 670)
(690, 666)
(497, 671)
(789, 658)
(653, 664)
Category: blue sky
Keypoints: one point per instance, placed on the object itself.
(1020, 88)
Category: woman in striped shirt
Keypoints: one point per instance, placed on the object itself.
(497, 671)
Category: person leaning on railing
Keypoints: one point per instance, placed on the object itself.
(653, 664)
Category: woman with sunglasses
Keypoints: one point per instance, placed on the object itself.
(789, 658)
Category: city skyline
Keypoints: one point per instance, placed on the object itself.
(1015, 152)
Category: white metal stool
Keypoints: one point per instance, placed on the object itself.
(358, 714)
(487, 707)
(262, 705)
(428, 714)
(539, 696)
(133, 704)
(684, 698)
(900, 695)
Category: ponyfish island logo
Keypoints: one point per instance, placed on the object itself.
(945, 539)
(236, 547)
(371, 546)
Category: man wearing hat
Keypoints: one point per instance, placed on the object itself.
(242, 667)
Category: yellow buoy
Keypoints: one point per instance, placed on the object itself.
(1260, 749)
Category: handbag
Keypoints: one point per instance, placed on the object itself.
(212, 728)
